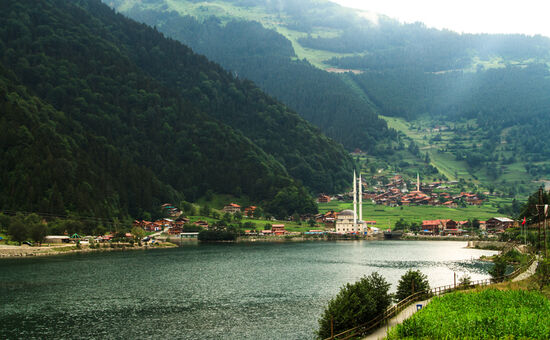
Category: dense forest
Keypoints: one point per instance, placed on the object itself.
(509, 106)
(268, 58)
(491, 92)
(104, 116)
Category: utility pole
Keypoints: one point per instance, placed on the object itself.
(539, 206)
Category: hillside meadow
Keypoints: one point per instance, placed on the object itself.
(387, 216)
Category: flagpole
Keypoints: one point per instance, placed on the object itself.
(525, 233)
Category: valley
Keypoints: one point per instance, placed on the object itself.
(407, 80)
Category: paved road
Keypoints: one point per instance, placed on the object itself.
(529, 272)
(399, 318)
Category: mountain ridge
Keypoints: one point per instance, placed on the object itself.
(138, 96)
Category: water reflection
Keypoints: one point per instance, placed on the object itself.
(230, 291)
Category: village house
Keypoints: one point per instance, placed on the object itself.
(498, 224)
(175, 230)
(232, 208)
(431, 227)
(450, 204)
(482, 225)
(249, 211)
(323, 199)
(278, 229)
(329, 218)
(451, 228)
(171, 210)
(201, 223)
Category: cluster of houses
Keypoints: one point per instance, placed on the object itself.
(445, 227)
(276, 229)
(234, 208)
(172, 227)
(396, 193)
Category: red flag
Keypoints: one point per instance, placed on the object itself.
(522, 223)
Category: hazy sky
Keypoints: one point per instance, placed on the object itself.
(470, 16)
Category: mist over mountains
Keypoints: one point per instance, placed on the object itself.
(105, 116)
(488, 90)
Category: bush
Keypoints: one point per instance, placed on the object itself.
(216, 235)
(499, 268)
(355, 304)
(465, 281)
(191, 228)
(411, 282)
(18, 230)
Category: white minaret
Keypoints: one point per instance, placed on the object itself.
(354, 202)
(417, 182)
(360, 199)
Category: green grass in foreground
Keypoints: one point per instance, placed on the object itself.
(487, 314)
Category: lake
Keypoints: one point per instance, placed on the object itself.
(230, 291)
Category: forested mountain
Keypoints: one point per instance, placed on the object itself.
(489, 92)
(104, 116)
(268, 58)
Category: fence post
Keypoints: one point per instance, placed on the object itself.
(455, 281)
(331, 327)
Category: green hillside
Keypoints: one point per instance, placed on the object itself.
(270, 60)
(104, 116)
(489, 92)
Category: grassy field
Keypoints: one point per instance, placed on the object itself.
(387, 216)
(487, 314)
(439, 146)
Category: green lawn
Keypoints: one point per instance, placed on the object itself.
(387, 216)
(488, 314)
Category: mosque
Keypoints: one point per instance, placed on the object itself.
(348, 221)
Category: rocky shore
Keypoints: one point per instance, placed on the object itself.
(59, 249)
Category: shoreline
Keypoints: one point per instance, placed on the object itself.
(59, 249)
(7, 251)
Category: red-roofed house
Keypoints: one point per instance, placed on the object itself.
(232, 208)
(249, 211)
(323, 199)
(278, 229)
(434, 227)
(431, 227)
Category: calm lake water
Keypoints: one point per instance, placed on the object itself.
(222, 291)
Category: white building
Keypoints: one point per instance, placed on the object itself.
(347, 221)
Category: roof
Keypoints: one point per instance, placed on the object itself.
(431, 222)
(347, 212)
(234, 205)
(502, 219)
